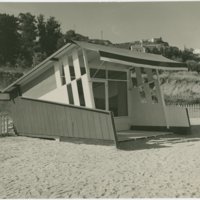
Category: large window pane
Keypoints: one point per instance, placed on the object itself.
(81, 62)
(99, 95)
(71, 68)
(117, 75)
(80, 92)
(98, 73)
(70, 94)
(62, 75)
(117, 92)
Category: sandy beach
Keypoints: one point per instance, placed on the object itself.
(168, 166)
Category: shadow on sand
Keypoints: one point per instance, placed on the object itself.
(164, 141)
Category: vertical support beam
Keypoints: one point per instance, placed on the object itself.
(76, 63)
(57, 74)
(86, 91)
(66, 69)
(90, 91)
(114, 130)
(75, 93)
(162, 100)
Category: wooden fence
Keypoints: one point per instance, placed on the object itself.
(4, 123)
(193, 110)
(47, 119)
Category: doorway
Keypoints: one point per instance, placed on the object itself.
(112, 95)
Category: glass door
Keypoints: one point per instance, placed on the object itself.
(99, 92)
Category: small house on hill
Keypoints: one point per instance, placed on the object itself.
(73, 92)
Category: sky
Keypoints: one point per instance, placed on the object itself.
(178, 23)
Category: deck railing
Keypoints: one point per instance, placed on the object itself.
(5, 124)
(193, 109)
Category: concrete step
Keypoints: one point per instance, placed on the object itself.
(135, 134)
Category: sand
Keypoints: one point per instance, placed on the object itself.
(161, 167)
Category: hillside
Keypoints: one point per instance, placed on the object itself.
(8, 77)
(181, 87)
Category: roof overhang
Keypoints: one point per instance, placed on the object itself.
(137, 62)
(130, 58)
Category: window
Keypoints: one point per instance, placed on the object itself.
(153, 92)
(142, 94)
(71, 68)
(98, 73)
(99, 93)
(80, 92)
(134, 81)
(62, 75)
(117, 94)
(117, 75)
(70, 94)
(144, 75)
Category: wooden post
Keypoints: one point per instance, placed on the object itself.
(114, 130)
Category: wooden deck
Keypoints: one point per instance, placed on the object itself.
(134, 134)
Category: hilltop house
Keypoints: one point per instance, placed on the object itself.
(93, 78)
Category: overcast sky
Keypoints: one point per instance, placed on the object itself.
(176, 22)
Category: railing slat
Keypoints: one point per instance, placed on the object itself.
(193, 109)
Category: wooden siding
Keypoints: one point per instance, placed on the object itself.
(41, 85)
(48, 119)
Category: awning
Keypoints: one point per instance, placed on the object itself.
(128, 57)
(137, 62)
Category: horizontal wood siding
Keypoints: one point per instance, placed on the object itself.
(48, 119)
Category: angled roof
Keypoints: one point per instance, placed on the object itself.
(110, 54)
(126, 56)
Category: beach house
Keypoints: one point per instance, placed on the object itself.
(91, 91)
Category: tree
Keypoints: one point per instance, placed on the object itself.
(41, 26)
(28, 33)
(155, 51)
(192, 65)
(72, 35)
(9, 39)
(198, 67)
(53, 33)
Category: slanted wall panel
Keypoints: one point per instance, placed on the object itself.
(46, 119)
(40, 85)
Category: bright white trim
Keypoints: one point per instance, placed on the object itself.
(75, 93)
(66, 69)
(57, 74)
(76, 63)
(86, 91)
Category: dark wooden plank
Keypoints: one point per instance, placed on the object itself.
(91, 125)
(104, 127)
(68, 122)
(85, 124)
